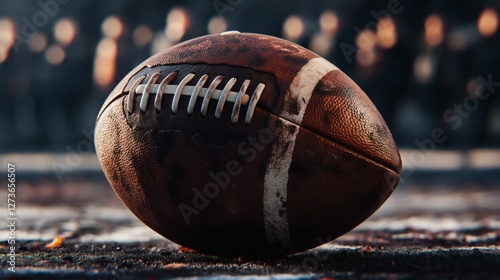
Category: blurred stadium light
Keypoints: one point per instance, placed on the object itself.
(414, 64)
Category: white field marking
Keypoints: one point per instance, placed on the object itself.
(188, 90)
(276, 178)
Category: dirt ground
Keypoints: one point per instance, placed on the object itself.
(435, 226)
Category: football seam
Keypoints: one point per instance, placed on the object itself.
(124, 95)
(344, 148)
(225, 95)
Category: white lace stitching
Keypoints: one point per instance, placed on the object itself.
(239, 98)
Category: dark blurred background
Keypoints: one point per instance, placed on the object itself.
(425, 64)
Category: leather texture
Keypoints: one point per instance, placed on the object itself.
(344, 166)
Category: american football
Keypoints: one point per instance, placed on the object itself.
(245, 144)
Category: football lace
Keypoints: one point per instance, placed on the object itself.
(239, 98)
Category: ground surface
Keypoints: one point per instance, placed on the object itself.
(438, 225)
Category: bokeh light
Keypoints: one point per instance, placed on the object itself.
(3, 54)
(293, 28)
(38, 43)
(112, 27)
(329, 22)
(7, 37)
(177, 23)
(365, 57)
(160, 42)
(105, 62)
(366, 40)
(217, 25)
(456, 40)
(386, 33)
(143, 34)
(487, 24)
(7, 32)
(321, 44)
(444, 49)
(55, 55)
(474, 87)
(423, 68)
(104, 71)
(433, 30)
(107, 48)
(65, 31)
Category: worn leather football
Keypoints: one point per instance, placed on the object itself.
(245, 144)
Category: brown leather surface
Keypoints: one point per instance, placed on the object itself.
(261, 53)
(154, 172)
(328, 191)
(196, 123)
(332, 189)
(339, 110)
(268, 98)
(345, 163)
